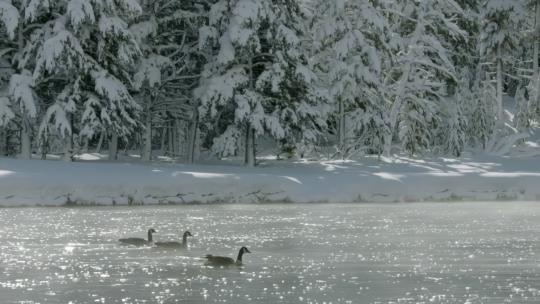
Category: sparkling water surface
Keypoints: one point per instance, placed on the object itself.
(301, 253)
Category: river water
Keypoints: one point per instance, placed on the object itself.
(301, 253)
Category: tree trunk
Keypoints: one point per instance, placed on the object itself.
(250, 160)
(113, 146)
(26, 130)
(86, 145)
(44, 152)
(163, 140)
(171, 139)
(68, 148)
(500, 108)
(100, 142)
(193, 134)
(147, 137)
(26, 141)
(341, 136)
(535, 98)
(250, 157)
(3, 143)
(177, 138)
(396, 106)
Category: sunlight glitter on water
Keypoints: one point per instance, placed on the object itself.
(403, 253)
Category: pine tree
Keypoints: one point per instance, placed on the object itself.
(521, 118)
(16, 18)
(424, 68)
(484, 115)
(350, 41)
(533, 87)
(455, 125)
(90, 50)
(168, 34)
(501, 19)
(259, 80)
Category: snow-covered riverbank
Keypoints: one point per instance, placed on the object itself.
(39, 182)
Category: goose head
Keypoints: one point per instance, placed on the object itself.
(151, 230)
(187, 233)
(244, 250)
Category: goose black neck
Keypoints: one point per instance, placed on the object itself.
(240, 254)
(184, 239)
(149, 236)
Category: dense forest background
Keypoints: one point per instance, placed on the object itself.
(227, 77)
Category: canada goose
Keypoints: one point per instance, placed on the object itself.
(176, 245)
(139, 241)
(226, 261)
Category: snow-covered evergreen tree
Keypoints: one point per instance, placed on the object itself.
(168, 34)
(423, 70)
(89, 50)
(23, 99)
(484, 115)
(533, 87)
(500, 36)
(6, 114)
(259, 80)
(16, 18)
(350, 40)
(521, 117)
(455, 124)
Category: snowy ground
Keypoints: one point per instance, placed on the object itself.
(92, 180)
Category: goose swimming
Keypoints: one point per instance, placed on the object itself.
(226, 261)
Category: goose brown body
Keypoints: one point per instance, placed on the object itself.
(226, 261)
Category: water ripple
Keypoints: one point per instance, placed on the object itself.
(403, 253)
